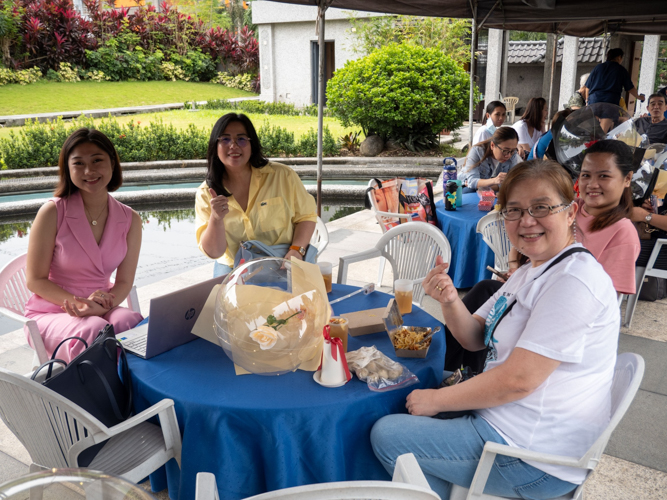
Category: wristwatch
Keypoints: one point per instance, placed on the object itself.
(301, 250)
(648, 218)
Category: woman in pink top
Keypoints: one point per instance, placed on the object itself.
(78, 239)
(605, 205)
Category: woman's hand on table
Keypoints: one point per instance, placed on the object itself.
(422, 402)
(103, 298)
(83, 307)
(219, 206)
(438, 284)
(294, 253)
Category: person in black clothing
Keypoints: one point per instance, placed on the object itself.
(654, 125)
(607, 80)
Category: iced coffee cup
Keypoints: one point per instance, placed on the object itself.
(338, 328)
(326, 270)
(403, 295)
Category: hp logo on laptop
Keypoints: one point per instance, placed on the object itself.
(190, 313)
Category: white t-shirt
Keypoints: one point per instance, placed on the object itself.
(484, 132)
(569, 313)
(521, 128)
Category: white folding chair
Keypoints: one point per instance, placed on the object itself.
(411, 250)
(320, 238)
(56, 431)
(510, 105)
(640, 274)
(408, 483)
(628, 375)
(14, 294)
(383, 217)
(492, 229)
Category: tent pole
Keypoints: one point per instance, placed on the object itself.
(473, 45)
(553, 71)
(320, 102)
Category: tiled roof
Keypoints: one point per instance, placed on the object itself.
(590, 51)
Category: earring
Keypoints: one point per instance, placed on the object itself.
(574, 229)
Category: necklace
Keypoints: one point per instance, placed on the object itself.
(93, 221)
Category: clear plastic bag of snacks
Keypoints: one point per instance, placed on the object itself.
(378, 371)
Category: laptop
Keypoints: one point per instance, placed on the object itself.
(171, 319)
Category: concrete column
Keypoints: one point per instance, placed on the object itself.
(546, 78)
(266, 63)
(506, 51)
(568, 75)
(494, 64)
(648, 69)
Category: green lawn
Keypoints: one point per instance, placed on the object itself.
(207, 118)
(45, 97)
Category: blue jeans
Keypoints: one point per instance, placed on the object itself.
(220, 269)
(448, 451)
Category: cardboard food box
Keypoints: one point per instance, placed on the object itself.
(393, 321)
(365, 322)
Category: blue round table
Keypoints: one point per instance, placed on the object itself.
(259, 433)
(470, 255)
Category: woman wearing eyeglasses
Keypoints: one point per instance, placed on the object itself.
(552, 333)
(247, 197)
(489, 161)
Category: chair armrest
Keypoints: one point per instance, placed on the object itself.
(489, 456)
(357, 257)
(12, 315)
(37, 342)
(207, 489)
(407, 470)
(394, 215)
(156, 409)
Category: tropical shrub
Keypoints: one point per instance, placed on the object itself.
(22, 77)
(241, 82)
(262, 107)
(400, 91)
(307, 145)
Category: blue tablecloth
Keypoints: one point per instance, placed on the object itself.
(258, 433)
(470, 255)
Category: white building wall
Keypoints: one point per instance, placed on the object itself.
(285, 35)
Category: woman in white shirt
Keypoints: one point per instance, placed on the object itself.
(496, 112)
(532, 125)
(552, 330)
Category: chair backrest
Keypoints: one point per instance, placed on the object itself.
(411, 250)
(46, 423)
(510, 103)
(492, 229)
(384, 217)
(13, 290)
(320, 238)
(628, 374)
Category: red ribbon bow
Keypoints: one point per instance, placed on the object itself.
(336, 347)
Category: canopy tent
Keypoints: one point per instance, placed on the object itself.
(568, 17)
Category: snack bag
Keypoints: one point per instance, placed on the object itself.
(386, 200)
(415, 197)
(378, 371)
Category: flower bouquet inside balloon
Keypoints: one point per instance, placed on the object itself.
(269, 315)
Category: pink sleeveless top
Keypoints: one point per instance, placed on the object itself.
(79, 265)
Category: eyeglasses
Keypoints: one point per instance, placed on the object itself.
(535, 211)
(507, 151)
(241, 142)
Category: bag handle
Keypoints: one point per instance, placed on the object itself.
(50, 363)
(53, 356)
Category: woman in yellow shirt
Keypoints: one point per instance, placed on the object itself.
(247, 197)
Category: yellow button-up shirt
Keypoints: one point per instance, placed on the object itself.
(277, 202)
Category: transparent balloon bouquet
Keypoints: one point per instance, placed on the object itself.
(270, 313)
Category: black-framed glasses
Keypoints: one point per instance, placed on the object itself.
(535, 211)
(240, 141)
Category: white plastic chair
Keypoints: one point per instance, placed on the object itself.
(411, 250)
(492, 229)
(510, 105)
(320, 238)
(55, 431)
(14, 294)
(628, 375)
(381, 217)
(640, 274)
(408, 483)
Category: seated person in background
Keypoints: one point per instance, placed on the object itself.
(540, 148)
(578, 99)
(553, 333)
(77, 241)
(657, 222)
(489, 161)
(246, 197)
(654, 125)
(531, 125)
(495, 115)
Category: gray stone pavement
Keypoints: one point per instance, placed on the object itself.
(635, 463)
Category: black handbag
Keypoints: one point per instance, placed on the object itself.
(91, 381)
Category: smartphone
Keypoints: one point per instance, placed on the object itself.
(498, 273)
